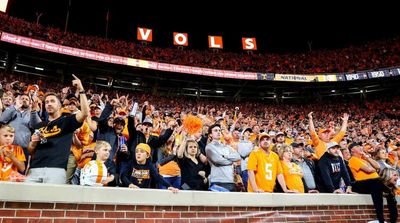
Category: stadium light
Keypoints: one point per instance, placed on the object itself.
(110, 82)
(135, 84)
(333, 91)
(219, 91)
(3, 5)
(39, 68)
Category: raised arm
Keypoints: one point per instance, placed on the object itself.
(84, 113)
(182, 146)
(92, 124)
(311, 126)
(345, 119)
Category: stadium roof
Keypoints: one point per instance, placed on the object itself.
(278, 27)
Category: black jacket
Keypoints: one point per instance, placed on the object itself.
(107, 133)
(137, 137)
(332, 169)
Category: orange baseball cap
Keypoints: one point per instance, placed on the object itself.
(323, 131)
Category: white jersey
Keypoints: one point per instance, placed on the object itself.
(93, 173)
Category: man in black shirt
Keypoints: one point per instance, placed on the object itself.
(49, 159)
(332, 170)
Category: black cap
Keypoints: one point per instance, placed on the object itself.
(248, 130)
(71, 96)
(352, 145)
(119, 120)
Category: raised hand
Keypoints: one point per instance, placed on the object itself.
(124, 148)
(172, 124)
(345, 117)
(114, 102)
(77, 83)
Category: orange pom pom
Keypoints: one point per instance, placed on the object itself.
(192, 124)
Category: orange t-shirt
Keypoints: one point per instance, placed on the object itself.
(7, 165)
(83, 134)
(320, 146)
(293, 174)
(86, 155)
(288, 141)
(355, 165)
(265, 167)
(253, 137)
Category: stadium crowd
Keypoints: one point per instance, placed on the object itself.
(101, 137)
(370, 55)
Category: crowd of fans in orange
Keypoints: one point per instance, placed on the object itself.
(102, 137)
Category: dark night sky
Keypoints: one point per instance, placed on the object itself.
(278, 27)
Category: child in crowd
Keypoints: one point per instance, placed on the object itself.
(12, 157)
(142, 171)
(95, 172)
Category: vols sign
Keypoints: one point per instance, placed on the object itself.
(144, 34)
(180, 39)
(3, 5)
(249, 43)
(215, 42)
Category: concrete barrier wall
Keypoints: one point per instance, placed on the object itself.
(20, 202)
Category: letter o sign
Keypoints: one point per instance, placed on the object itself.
(180, 39)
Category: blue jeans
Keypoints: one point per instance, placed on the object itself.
(174, 181)
(245, 178)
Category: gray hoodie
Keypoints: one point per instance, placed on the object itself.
(22, 122)
(221, 158)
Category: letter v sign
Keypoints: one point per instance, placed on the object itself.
(145, 34)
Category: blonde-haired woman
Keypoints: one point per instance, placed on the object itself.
(193, 175)
(291, 172)
(167, 165)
